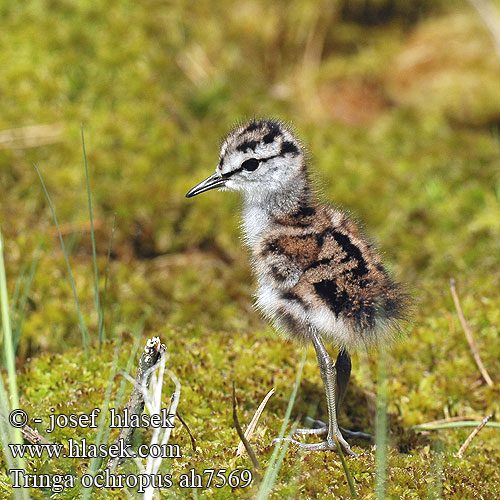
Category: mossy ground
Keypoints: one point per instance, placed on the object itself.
(406, 144)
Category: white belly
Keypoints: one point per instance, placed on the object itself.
(333, 330)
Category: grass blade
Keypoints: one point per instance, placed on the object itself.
(17, 292)
(436, 486)
(24, 299)
(5, 428)
(10, 435)
(103, 431)
(496, 135)
(97, 297)
(106, 274)
(10, 357)
(95, 463)
(275, 461)
(276, 467)
(381, 427)
(454, 425)
(346, 469)
(7, 433)
(81, 322)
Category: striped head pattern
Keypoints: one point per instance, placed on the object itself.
(260, 157)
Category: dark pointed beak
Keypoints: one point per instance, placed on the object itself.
(212, 182)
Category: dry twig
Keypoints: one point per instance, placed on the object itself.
(468, 334)
(240, 433)
(33, 436)
(151, 355)
(253, 423)
(185, 425)
(472, 435)
(29, 434)
(452, 419)
(31, 136)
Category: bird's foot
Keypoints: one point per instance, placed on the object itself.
(329, 444)
(318, 428)
(356, 434)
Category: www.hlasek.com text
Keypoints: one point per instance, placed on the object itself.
(84, 449)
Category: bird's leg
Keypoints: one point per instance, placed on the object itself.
(343, 365)
(342, 375)
(318, 427)
(329, 376)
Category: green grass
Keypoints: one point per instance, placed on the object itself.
(18, 319)
(103, 429)
(81, 321)
(97, 295)
(9, 400)
(346, 470)
(280, 447)
(381, 426)
(407, 147)
(7, 339)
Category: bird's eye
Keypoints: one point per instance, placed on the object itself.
(250, 165)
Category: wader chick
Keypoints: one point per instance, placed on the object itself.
(318, 279)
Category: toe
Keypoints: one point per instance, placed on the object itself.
(345, 445)
(315, 424)
(356, 434)
(309, 432)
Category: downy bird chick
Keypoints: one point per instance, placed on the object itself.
(318, 279)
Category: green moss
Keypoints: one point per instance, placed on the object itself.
(68, 383)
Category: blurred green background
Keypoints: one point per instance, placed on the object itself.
(398, 104)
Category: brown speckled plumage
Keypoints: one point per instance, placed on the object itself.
(339, 269)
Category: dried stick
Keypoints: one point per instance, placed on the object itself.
(452, 419)
(29, 434)
(33, 436)
(151, 355)
(253, 423)
(317, 34)
(31, 136)
(240, 433)
(185, 425)
(472, 435)
(468, 334)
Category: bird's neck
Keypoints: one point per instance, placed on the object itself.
(263, 209)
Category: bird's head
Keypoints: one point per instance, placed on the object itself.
(256, 159)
